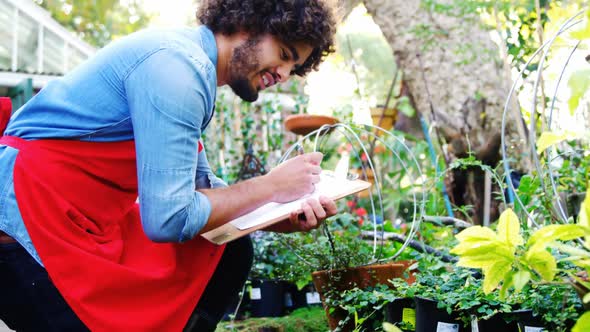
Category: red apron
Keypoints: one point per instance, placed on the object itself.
(77, 200)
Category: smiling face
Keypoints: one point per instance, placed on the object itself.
(259, 63)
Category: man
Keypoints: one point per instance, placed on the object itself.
(76, 252)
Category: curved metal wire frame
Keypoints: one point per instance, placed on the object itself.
(352, 137)
(532, 136)
(549, 151)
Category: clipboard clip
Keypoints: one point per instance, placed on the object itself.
(342, 169)
(352, 176)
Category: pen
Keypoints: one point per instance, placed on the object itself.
(300, 150)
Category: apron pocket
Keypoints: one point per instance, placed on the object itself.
(90, 228)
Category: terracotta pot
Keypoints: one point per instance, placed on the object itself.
(344, 279)
(389, 117)
(410, 270)
(303, 124)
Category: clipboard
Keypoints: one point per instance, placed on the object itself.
(271, 213)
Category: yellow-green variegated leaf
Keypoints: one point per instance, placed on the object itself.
(520, 279)
(583, 323)
(494, 274)
(578, 84)
(572, 251)
(509, 228)
(586, 298)
(582, 32)
(507, 283)
(583, 263)
(483, 261)
(484, 250)
(476, 234)
(542, 262)
(546, 234)
(584, 219)
(388, 327)
(549, 138)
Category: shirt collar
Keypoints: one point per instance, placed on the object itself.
(209, 43)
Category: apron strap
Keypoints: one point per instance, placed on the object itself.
(5, 111)
(13, 142)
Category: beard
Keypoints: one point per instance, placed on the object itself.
(244, 61)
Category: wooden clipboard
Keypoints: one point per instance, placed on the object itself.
(272, 213)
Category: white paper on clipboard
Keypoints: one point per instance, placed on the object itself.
(329, 186)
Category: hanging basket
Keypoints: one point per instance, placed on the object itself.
(389, 117)
(303, 124)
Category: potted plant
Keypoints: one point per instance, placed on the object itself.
(510, 263)
(338, 260)
(383, 117)
(268, 292)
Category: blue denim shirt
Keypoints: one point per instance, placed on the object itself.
(157, 87)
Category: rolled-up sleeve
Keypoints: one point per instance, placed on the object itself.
(169, 97)
(204, 174)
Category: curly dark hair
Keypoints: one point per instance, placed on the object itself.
(312, 22)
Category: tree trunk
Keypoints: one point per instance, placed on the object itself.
(456, 80)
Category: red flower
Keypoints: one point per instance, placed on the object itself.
(361, 220)
(351, 204)
(403, 227)
(344, 148)
(361, 212)
(364, 157)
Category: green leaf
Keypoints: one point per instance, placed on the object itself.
(583, 323)
(520, 279)
(549, 138)
(546, 234)
(586, 298)
(584, 31)
(509, 229)
(578, 83)
(388, 327)
(494, 274)
(404, 106)
(542, 262)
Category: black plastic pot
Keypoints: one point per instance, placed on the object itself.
(267, 298)
(431, 319)
(300, 298)
(528, 322)
(516, 321)
(498, 322)
(400, 311)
